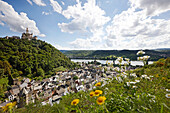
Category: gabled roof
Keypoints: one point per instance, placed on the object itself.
(38, 87)
(46, 80)
(24, 91)
(15, 90)
(27, 80)
(23, 85)
(60, 91)
(55, 97)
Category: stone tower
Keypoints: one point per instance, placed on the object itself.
(27, 31)
(27, 35)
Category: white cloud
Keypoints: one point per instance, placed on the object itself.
(85, 18)
(81, 44)
(89, 16)
(59, 47)
(45, 13)
(94, 42)
(17, 22)
(78, 1)
(62, 2)
(42, 35)
(39, 2)
(152, 7)
(135, 30)
(29, 1)
(56, 6)
(85, 44)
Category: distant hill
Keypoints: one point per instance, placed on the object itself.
(109, 54)
(162, 49)
(31, 58)
(63, 51)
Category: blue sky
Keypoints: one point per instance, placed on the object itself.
(90, 24)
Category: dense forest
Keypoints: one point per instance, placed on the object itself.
(112, 54)
(34, 59)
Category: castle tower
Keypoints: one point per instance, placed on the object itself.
(28, 35)
(27, 31)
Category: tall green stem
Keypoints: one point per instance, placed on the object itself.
(78, 109)
(106, 109)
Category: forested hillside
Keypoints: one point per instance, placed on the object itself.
(112, 54)
(34, 59)
(28, 58)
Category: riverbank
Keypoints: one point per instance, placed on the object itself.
(132, 63)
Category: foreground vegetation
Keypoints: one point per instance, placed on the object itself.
(34, 59)
(141, 90)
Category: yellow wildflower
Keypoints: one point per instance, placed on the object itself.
(9, 106)
(163, 78)
(98, 84)
(92, 94)
(101, 100)
(157, 75)
(5, 108)
(75, 102)
(98, 92)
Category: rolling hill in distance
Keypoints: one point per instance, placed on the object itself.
(110, 54)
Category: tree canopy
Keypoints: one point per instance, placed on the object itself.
(30, 58)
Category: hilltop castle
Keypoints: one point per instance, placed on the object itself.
(28, 35)
(25, 35)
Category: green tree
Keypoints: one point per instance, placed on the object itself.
(28, 70)
(75, 77)
(40, 72)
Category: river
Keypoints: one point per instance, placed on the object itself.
(133, 63)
